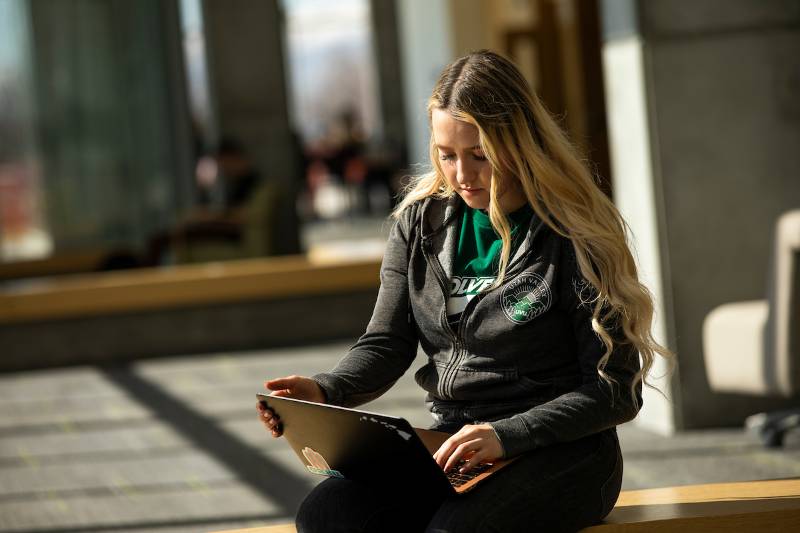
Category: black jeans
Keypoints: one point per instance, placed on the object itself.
(564, 487)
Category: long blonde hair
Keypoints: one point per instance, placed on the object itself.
(523, 142)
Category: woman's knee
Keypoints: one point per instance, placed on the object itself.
(341, 505)
(333, 505)
(460, 514)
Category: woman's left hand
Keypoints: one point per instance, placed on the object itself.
(474, 443)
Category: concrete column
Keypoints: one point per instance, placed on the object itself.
(705, 126)
(425, 44)
(636, 193)
(385, 31)
(246, 73)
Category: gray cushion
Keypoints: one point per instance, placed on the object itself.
(754, 347)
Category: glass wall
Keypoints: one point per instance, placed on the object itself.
(334, 106)
(87, 155)
(111, 141)
(103, 113)
(23, 229)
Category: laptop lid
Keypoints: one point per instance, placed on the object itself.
(365, 446)
(360, 445)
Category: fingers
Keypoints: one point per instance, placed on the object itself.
(299, 387)
(472, 443)
(281, 383)
(270, 420)
(448, 452)
(448, 447)
(474, 460)
(469, 447)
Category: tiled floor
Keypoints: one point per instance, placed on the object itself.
(173, 445)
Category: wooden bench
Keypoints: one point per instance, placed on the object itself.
(58, 264)
(233, 305)
(184, 285)
(750, 506)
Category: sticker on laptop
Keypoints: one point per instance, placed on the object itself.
(318, 464)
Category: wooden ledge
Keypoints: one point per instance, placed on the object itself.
(752, 506)
(280, 528)
(185, 285)
(59, 264)
(772, 505)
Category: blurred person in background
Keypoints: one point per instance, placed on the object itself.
(225, 182)
(336, 175)
(229, 178)
(510, 267)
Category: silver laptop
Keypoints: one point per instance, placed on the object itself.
(381, 450)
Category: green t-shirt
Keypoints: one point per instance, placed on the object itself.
(478, 255)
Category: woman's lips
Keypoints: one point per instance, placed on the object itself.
(471, 191)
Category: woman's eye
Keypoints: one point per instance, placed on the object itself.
(447, 157)
(479, 157)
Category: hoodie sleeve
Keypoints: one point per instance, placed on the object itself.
(594, 405)
(388, 347)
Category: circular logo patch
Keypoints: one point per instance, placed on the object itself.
(525, 298)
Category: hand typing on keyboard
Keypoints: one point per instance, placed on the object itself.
(473, 445)
(457, 479)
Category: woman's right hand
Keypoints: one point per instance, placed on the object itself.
(299, 387)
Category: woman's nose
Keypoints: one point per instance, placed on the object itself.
(463, 172)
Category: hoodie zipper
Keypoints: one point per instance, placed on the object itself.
(447, 382)
(451, 377)
(440, 277)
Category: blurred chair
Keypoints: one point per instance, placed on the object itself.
(256, 238)
(754, 347)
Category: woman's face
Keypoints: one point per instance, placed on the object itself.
(465, 166)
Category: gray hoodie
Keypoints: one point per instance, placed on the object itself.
(524, 356)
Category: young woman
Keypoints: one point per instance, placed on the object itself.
(510, 268)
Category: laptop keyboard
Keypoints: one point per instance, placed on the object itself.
(457, 479)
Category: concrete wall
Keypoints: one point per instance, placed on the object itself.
(470, 28)
(721, 80)
(725, 85)
(251, 325)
